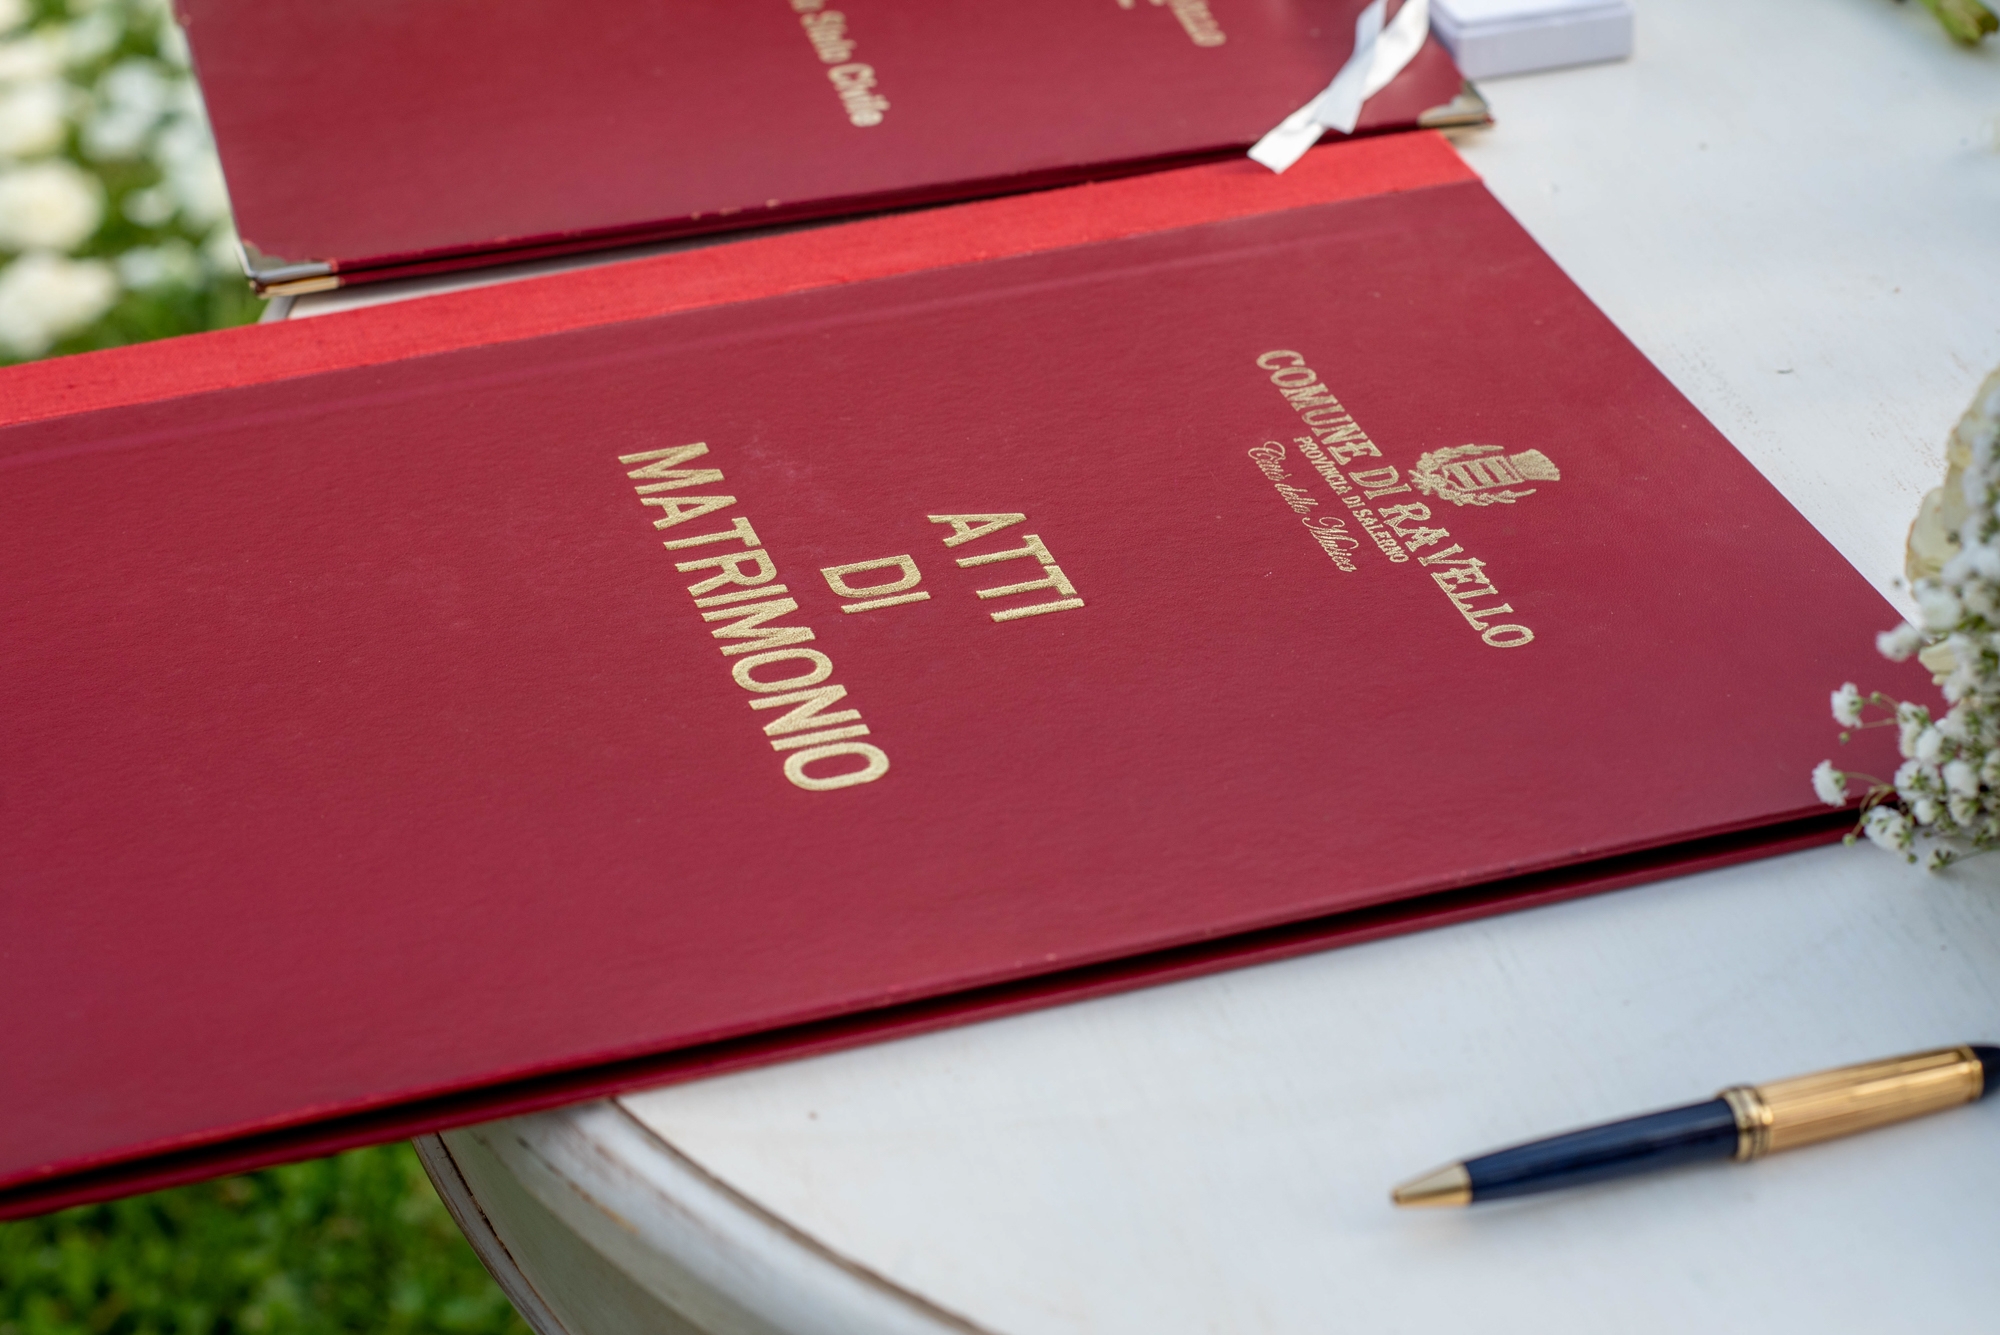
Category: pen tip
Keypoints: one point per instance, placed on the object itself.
(1447, 1186)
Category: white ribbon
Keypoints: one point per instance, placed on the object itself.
(1379, 56)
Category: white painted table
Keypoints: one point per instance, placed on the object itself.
(1793, 206)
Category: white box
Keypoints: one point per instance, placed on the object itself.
(1494, 37)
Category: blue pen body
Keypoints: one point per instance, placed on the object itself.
(1743, 1122)
(1658, 1140)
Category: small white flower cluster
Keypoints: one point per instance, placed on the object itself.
(90, 92)
(1944, 800)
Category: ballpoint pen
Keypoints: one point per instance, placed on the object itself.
(1742, 1123)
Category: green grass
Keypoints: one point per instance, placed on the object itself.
(356, 1242)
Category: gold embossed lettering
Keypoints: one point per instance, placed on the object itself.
(1459, 574)
(1032, 546)
(1384, 481)
(1424, 537)
(964, 528)
(1037, 609)
(741, 606)
(1360, 449)
(887, 594)
(742, 595)
(680, 509)
(874, 765)
(732, 570)
(746, 622)
(819, 738)
(662, 463)
(1313, 400)
(810, 712)
(1052, 578)
(739, 529)
(744, 670)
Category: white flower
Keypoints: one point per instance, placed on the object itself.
(1847, 706)
(53, 205)
(92, 36)
(1898, 644)
(172, 262)
(1930, 744)
(132, 97)
(1961, 778)
(186, 157)
(1912, 779)
(1911, 720)
(1924, 811)
(1938, 606)
(1829, 784)
(31, 56)
(45, 296)
(151, 207)
(1963, 809)
(173, 42)
(31, 117)
(1887, 828)
(223, 251)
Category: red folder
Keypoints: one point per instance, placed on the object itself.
(459, 707)
(382, 140)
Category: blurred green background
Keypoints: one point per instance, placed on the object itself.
(114, 223)
(114, 227)
(357, 1242)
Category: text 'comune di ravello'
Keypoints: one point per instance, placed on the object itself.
(1400, 530)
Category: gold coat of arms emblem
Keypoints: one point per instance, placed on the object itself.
(1482, 474)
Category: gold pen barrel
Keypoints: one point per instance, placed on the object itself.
(1806, 1109)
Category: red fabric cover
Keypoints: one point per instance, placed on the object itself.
(369, 768)
(400, 137)
(714, 275)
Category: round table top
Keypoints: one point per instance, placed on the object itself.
(1789, 206)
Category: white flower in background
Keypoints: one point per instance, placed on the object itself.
(44, 296)
(1939, 608)
(92, 36)
(1887, 828)
(131, 98)
(193, 175)
(1961, 778)
(31, 117)
(1944, 800)
(1911, 720)
(101, 81)
(1829, 784)
(29, 56)
(172, 42)
(151, 207)
(49, 205)
(1898, 644)
(144, 268)
(223, 251)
